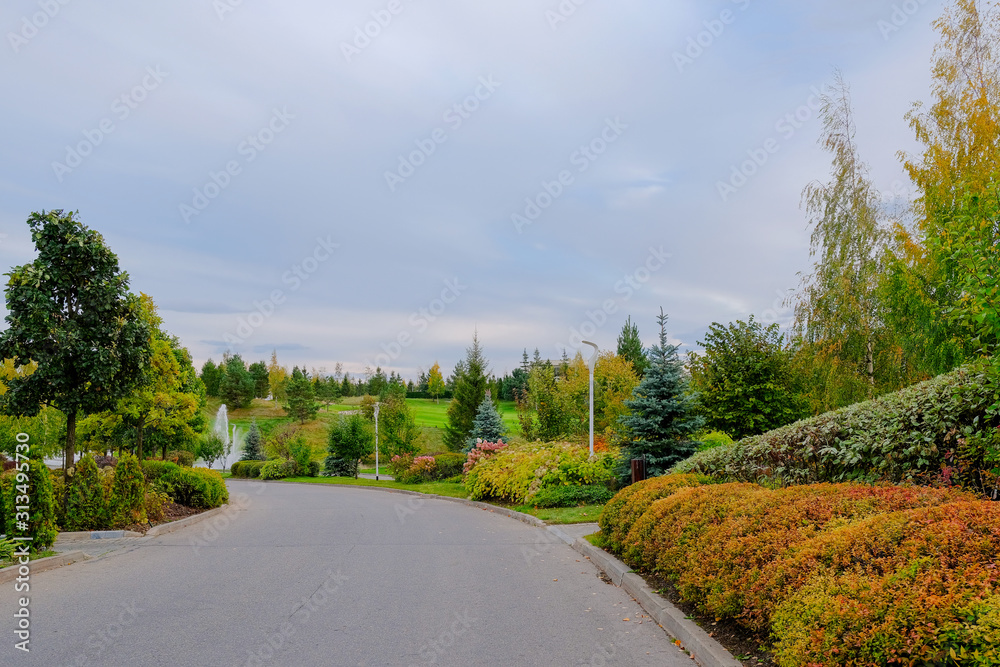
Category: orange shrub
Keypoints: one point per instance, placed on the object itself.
(631, 502)
(911, 588)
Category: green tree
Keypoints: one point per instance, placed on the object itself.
(488, 425)
(397, 427)
(301, 399)
(128, 493)
(346, 387)
(211, 448)
(351, 439)
(261, 379)
(253, 448)
(745, 380)
(70, 312)
(630, 347)
(277, 379)
(840, 317)
(471, 382)
(211, 376)
(435, 382)
(662, 420)
(237, 386)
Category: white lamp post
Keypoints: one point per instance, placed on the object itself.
(591, 363)
(376, 442)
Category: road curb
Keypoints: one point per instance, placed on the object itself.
(703, 649)
(706, 651)
(9, 574)
(165, 528)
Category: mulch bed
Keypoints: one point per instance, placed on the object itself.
(171, 512)
(747, 647)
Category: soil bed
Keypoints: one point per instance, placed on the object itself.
(171, 512)
(747, 647)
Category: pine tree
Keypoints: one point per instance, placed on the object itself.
(211, 376)
(301, 398)
(488, 426)
(253, 450)
(662, 418)
(471, 382)
(630, 347)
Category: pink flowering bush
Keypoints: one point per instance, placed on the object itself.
(481, 452)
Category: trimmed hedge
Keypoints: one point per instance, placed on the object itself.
(279, 469)
(571, 496)
(841, 574)
(896, 437)
(247, 469)
(518, 471)
(622, 511)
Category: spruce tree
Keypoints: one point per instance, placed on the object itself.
(630, 347)
(253, 450)
(662, 418)
(211, 376)
(488, 426)
(471, 383)
(301, 398)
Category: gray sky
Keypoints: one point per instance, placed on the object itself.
(370, 182)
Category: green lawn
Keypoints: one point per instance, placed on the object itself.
(555, 515)
(450, 489)
(427, 412)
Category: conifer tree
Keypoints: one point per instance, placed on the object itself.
(488, 426)
(253, 450)
(630, 347)
(662, 418)
(471, 383)
(301, 398)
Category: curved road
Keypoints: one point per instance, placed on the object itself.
(300, 575)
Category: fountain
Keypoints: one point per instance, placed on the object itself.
(230, 438)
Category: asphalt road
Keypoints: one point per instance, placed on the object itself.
(298, 575)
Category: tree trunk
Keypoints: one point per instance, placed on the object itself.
(138, 437)
(870, 359)
(70, 440)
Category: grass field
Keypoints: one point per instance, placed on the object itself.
(431, 417)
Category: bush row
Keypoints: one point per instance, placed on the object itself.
(840, 574)
(516, 472)
(408, 469)
(571, 496)
(902, 436)
(274, 469)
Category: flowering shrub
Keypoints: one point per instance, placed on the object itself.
(840, 574)
(399, 464)
(518, 471)
(481, 452)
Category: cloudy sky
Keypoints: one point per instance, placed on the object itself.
(371, 182)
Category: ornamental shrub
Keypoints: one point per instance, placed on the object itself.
(195, 487)
(423, 469)
(481, 452)
(247, 469)
(400, 463)
(126, 504)
(897, 437)
(449, 465)
(519, 471)
(181, 457)
(839, 574)
(32, 479)
(313, 469)
(153, 470)
(571, 496)
(621, 512)
(278, 469)
(86, 507)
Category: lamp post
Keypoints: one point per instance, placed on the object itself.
(376, 442)
(590, 364)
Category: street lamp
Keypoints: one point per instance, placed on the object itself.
(590, 364)
(376, 442)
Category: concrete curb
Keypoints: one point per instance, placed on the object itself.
(97, 535)
(706, 651)
(703, 649)
(9, 574)
(165, 528)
